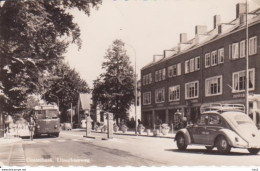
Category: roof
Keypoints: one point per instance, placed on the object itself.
(212, 35)
(85, 100)
(220, 108)
(46, 107)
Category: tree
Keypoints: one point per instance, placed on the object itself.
(66, 89)
(114, 89)
(34, 36)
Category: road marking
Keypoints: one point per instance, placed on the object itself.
(60, 140)
(45, 141)
(17, 157)
(76, 140)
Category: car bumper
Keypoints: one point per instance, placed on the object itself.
(252, 145)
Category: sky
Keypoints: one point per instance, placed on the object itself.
(147, 27)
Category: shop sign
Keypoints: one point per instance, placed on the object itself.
(175, 103)
(160, 105)
(147, 106)
(240, 95)
(194, 101)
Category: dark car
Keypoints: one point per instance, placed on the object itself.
(221, 126)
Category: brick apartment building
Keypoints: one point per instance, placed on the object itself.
(210, 68)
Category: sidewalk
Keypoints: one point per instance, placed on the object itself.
(132, 133)
(6, 149)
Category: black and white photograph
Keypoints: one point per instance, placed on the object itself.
(129, 83)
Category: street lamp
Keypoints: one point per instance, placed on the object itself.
(247, 74)
(135, 80)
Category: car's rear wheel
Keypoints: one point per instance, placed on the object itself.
(209, 148)
(223, 145)
(253, 151)
(181, 144)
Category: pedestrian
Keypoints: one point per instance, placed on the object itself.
(31, 127)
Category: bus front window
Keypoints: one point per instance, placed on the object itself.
(40, 114)
(52, 114)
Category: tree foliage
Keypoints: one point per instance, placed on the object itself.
(114, 89)
(65, 90)
(34, 36)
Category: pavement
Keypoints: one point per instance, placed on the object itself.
(9, 148)
(170, 135)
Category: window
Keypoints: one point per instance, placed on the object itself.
(144, 80)
(174, 70)
(202, 120)
(197, 63)
(163, 73)
(179, 69)
(239, 80)
(147, 79)
(192, 90)
(160, 75)
(207, 60)
(214, 120)
(146, 98)
(187, 66)
(253, 45)
(242, 49)
(156, 76)
(192, 65)
(159, 95)
(221, 55)
(213, 86)
(234, 51)
(170, 71)
(174, 93)
(214, 58)
(150, 78)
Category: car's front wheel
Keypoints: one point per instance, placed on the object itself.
(181, 144)
(253, 151)
(223, 145)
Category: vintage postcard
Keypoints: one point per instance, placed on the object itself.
(151, 83)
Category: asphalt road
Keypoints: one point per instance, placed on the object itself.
(76, 150)
(71, 148)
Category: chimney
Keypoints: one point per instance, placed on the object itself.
(200, 30)
(220, 29)
(183, 37)
(242, 19)
(216, 21)
(240, 9)
(155, 57)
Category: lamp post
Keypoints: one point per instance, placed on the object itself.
(247, 74)
(135, 82)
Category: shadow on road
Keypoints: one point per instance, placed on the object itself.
(40, 137)
(213, 152)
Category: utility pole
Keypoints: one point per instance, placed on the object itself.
(247, 63)
(135, 82)
(71, 112)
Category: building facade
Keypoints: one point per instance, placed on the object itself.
(209, 68)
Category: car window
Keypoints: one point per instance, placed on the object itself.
(202, 120)
(214, 120)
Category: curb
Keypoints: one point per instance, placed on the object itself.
(125, 134)
(115, 133)
(4, 141)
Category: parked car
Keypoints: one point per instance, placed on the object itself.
(222, 126)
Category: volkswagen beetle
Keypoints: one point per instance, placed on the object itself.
(224, 128)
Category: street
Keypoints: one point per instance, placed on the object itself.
(71, 148)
